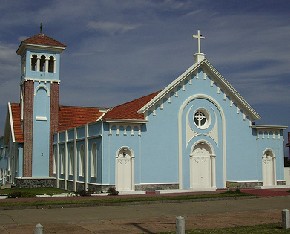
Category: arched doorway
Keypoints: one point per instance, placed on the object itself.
(125, 169)
(269, 168)
(202, 167)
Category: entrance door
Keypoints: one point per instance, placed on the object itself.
(124, 170)
(268, 167)
(201, 167)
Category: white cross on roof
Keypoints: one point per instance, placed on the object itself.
(198, 37)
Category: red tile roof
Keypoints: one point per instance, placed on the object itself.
(73, 116)
(129, 110)
(41, 39)
(16, 112)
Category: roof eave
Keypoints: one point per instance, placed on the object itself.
(22, 47)
(11, 122)
(168, 88)
(269, 127)
(140, 121)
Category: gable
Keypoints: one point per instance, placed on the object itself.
(216, 78)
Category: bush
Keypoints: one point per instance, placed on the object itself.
(112, 191)
(83, 193)
(18, 194)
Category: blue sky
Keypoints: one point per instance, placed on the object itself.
(118, 50)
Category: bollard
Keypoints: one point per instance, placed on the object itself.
(285, 219)
(180, 225)
(38, 229)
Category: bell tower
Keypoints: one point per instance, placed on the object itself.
(39, 101)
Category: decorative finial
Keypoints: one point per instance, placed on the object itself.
(198, 37)
(40, 28)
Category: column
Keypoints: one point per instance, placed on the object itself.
(86, 157)
(75, 161)
(66, 162)
(37, 64)
(57, 161)
(213, 171)
(46, 65)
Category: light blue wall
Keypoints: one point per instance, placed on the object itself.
(111, 145)
(41, 130)
(20, 160)
(37, 74)
(156, 150)
(230, 135)
(275, 144)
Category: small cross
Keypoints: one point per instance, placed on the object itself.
(40, 28)
(198, 37)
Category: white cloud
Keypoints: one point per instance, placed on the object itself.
(111, 27)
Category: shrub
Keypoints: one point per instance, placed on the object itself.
(83, 193)
(112, 191)
(17, 194)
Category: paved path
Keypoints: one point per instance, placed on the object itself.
(145, 218)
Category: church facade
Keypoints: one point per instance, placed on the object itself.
(198, 133)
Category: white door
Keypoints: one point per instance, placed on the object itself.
(200, 167)
(124, 170)
(268, 167)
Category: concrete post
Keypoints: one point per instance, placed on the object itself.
(180, 225)
(285, 219)
(38, 229)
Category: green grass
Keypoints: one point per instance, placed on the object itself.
(264, 228)
(31, 192)
(107, 200)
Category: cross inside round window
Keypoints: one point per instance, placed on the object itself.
(201, 119)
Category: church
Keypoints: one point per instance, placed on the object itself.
(197, 133)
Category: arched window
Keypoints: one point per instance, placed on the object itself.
(51, 64)
(82, 161)
(94, 160)
(33, 62)
(42, 63)
(71, 160)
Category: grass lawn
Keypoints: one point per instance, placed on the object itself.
(30, 192)
(104, 200)
(265, 228)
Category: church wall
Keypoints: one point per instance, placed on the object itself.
(160, 140)
(113, 141)
(41, 130)
(271, 140)
(74, 159)
(162, 137)
(20, 161)
(42, 75)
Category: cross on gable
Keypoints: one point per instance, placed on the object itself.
(198, 37)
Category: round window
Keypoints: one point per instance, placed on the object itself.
(201, 119)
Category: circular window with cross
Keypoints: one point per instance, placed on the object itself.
(201, 119)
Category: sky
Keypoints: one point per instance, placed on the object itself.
(119, 50)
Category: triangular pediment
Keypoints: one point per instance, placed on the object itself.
(216, 78)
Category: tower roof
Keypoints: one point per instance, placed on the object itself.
(40, 40)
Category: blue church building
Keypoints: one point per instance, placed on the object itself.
(198, 133)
